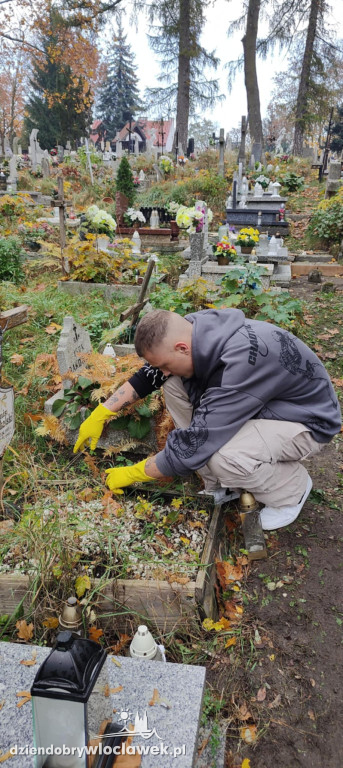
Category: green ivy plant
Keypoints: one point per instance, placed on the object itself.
(291, 181)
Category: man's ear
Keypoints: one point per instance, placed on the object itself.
(183, 347)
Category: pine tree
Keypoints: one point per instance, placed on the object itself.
(118, 95)
(124, 180)
(60, 106)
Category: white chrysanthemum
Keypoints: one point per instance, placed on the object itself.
(91, 212)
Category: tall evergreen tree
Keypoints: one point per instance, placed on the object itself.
(60, 106)
(118, 98)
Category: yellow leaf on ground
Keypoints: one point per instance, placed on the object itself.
(231, 641)
(82, 583)
(249, 733)
(208, 624)
(25, 631)
(51, 622)
(245, 763)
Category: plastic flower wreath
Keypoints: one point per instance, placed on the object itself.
(248, 237)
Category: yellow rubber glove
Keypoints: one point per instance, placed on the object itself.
(119, 477)
(92, 427)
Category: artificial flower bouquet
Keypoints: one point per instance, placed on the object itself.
(263, 180)
(192, 219)
(248, 237)
(99, 221)
(132, 215)
(224, 248)
(166, 164)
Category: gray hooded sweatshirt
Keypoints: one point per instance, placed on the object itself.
(243, 369)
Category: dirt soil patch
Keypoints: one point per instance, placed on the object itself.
(290, 683)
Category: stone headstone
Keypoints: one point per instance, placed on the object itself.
(194, 269)
(15, 145)
(252, 161)
(6, 417)
(33, 148)
(201, 205)
(13, 169)
(68, 145)
(119, 149)
(315, 276)
(7, 148)
(334, 181)
(45, 167)
(60, 153)
(74, 342)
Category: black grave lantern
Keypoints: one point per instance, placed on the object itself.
(69, 703)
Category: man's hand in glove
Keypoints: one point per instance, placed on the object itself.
(91, 428)
(119, 477)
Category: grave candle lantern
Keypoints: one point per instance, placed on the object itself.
(67, 710)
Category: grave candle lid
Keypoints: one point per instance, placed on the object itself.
(71, 669)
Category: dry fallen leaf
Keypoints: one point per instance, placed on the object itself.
(53, 328)
(117, 689)
(248, 733)
(123, 640)
(25, 697)
(231, 641)
(51, 622)
(94, 634)
(2, 704)
(311, 714)
(155, 698)
(6, 756)
(261, 694)
(30, 662)
(25, 631)
(228, 573)
(243, 712)
(276, 702)
(17, 359)
(116, 662)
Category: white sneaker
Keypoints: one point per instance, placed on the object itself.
(221, 495)
(272, 518)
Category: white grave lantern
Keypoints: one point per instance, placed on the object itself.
(276, 188)
(228, 203)
(272, 251)
(258, 189)
(245, 186)
(136, 248)
(67, 708)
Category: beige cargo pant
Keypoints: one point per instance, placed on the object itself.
(263, 457)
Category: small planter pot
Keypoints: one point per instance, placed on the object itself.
(246, 248)
(223, 260)
(196, 241)
(174, 231)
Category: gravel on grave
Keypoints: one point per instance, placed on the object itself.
(129, 538)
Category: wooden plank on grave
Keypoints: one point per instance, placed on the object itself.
(10, 318)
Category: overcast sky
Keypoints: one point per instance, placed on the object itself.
(226, 114)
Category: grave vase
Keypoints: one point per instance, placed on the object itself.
(196, 241)
(174, 230)
(102, 242)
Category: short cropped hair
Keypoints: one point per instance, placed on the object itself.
(151, 330)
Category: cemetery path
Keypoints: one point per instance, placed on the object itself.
(291, 685)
